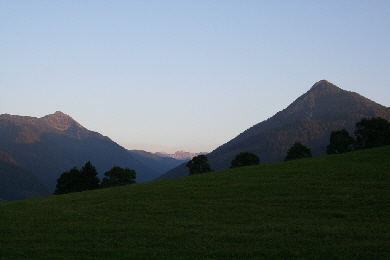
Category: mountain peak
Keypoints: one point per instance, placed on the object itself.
(57, 114)
(179, 155)
(323, 85)
(60, 120)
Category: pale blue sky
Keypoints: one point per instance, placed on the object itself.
(191, 75)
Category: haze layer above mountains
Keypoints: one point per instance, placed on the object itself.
(43, 148)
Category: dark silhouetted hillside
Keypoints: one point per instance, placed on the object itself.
(16, 183)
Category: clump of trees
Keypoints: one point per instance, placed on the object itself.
(298, 151)
(118, 176)
(369, 133)
(245, 159)
(199, 164)
(86, 178)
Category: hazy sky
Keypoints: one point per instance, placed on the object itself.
(192, 75)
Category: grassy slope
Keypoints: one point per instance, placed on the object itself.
(331, 207)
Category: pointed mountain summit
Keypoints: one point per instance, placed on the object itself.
(67, 125)
(323, 100)
(324, 85)
(309, 119)
(61, 121)
(30, 129)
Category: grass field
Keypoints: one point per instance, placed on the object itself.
(331, 207)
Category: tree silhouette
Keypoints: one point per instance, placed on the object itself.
(68, 182)
(245, 159)
(298, 151)
(372, 133)
(340, 142)
(88, 177)
(77, 180)
(199, 164)
(118, 176)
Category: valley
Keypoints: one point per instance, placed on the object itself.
(46, 147)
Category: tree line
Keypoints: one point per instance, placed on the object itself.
(86, 178)
(369, 133)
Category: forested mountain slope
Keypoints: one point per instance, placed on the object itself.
(16, 183)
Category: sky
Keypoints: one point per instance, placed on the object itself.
(185, 75)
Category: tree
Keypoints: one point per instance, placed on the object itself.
(298, 151)
(340, 142)
(372, 133)
(78, 180)
(245, 159)
(118, 176)
(199, 164)
(88, 177)
(68, 182)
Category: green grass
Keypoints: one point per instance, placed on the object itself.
(331, 207)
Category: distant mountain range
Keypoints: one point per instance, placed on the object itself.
(309, 119)
(43, 148)
(179, 155)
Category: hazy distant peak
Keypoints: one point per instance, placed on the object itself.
(179, 155)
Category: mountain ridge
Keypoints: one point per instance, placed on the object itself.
(309, 119)
(55, 143)
(179, 155)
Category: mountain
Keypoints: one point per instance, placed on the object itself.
(50, 145)
(179, 155)
(155, 162)
(309, 119)
(16, 183)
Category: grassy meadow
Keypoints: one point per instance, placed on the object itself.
(330, 207)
